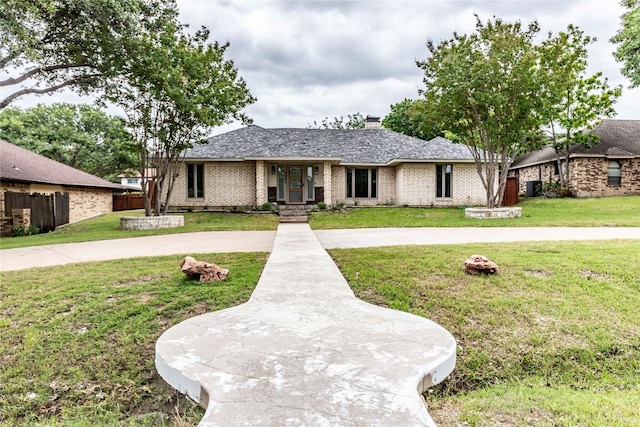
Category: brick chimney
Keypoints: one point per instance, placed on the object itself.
(372, 122)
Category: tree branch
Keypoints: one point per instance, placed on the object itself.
(13, 81)
(27, 91)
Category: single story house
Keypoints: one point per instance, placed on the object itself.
(609, 168)
(372, 166)
(23, 171)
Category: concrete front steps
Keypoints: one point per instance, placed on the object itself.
(293, 213)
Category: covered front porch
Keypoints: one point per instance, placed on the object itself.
(293, 181)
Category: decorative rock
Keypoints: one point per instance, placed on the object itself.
(203, 271)
(485, 213)
(478, 264)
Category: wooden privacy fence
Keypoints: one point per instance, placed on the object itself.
(47, 210)
(125, 202)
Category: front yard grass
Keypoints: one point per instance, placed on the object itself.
(536, 212)
(108, 227)
(553, 340)
(77, 343)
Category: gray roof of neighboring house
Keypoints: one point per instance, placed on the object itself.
(19, 164)
(618, 138)
(349, 146)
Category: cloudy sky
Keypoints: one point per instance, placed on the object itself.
(306, 60)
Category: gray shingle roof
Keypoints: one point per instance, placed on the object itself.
(618, 138)
(19, 164)
(349, 146)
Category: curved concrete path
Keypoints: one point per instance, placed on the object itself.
(305, 351)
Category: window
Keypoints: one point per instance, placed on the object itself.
(132, 180)
(443, 180)
(614, 176)
(195, 180)
(311, 194)
(362, 183)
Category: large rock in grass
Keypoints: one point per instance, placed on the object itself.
(203, 271)
(480, 264)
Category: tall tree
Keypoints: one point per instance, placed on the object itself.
(483, 90)
(81, 136)
(179, 88)
(575, 102)
(628, 40)
(353, 121)
(48, 45)
(405, 117)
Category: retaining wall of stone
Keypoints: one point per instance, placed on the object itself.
(151, 222)
(484, 213)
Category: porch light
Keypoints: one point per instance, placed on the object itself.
(316, 170)
(273, 169)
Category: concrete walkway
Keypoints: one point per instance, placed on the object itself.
(305, 351)
(262, 241)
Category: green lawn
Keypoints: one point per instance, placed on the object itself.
(538, 212)
(108, 227)
(553, 340)
(77, 343)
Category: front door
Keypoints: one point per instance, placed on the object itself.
(296, 181)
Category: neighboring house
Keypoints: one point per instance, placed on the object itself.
(253, 165)
(23, 171)
(133, 180)
(609, 168)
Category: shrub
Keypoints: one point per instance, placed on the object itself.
(21, 230)
(267, 206)
(322, 206)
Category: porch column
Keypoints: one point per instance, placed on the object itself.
(261, 189)
(326, 173)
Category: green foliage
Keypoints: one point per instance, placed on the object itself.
(484, 89)
(21, 230)
(575, 102)
(48, 45)
(180, 87)
(80, 136)
(628, 41)
(267, 206)
(538, 343)
(353, 121)
(405, 118)
(322, 206)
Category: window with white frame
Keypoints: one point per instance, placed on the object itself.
(362, 183)
(195, 180)
(614, 174)
(443, 180)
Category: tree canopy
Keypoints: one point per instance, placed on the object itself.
(628, 41)
(81, 136)
(483, 89)
(48, 45)
(353, 121)
(180, 87)
(405, 118)
(575, 102)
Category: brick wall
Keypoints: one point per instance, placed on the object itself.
(226, 184)
(85, 203)
(589, 176)
(416, 184)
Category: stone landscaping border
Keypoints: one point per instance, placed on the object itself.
(486, 213)
(151, 222)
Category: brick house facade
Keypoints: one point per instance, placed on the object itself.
(22, 171)
(609, 168)
(364, 167)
